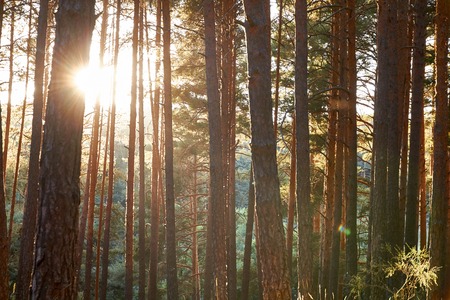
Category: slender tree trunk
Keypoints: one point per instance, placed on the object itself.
(101, 209)
(331, 160)
(30, 212)
(340, 172)
(404, 42)
(4, 245)
(156, 166)
(94, 156)
(277, 69)
(272, 247)
(129, 236)
(215, 151)
(22, 123)
(438, 226)
(417, 100)
(55, 260)
(109, 200)
(141, 234)
(195, 265)
(292, 198)
(304, 210)
(248, 238)
(351, 233)
(10, 85)
(172, 281)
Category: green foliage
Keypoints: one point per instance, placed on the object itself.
(418, 274)
(412, 267)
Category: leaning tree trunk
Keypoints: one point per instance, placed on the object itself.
(55, 259)
(272, 248)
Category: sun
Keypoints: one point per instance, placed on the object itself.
(95, 83)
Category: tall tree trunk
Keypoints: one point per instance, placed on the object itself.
(351, 233)
(439, 209)
(156, 167)
(272, 247)
(228, 60)
(329, 195)
(101, 209)
(304, 210)
(277, 69)
(22, 123)
(417, 101)
(129, 236)
(216, 192)
(292, 197)
(248, 238)
(404, 42)
(4, 245)
(385, 202)
(141, 233)
(10, 85)
(195, 265)
(172, 281)
(55, 260)
(109, 200)
(30, 211)
(340, 172)
(91, 203)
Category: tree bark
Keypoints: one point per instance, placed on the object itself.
(55, 259)
(417, 101)
(172, 281)
(215, 152)
(156, 167)
(272, 251)
(438, 226)
(30, 211)
(248, 238)
(304, 211)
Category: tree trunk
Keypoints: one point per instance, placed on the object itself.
(385, 202)
(156, 168)
(172, 281)
(304, 210)
(439, 209)
(30, 212)
(141, 234)
(215, 152)
(351, 233)
(272, 251)
(417, 100)
(112, 130)
(248, 238)
(55, 260)
(10, 86)
(129, 219)
(292, 198)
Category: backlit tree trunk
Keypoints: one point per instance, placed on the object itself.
(272, 247)
(55, 259)
(217, 200)
(172, 281)
(439, 210)
(304, 211)
(30, 211)
(417, 100)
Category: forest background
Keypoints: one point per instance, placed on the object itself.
(225, 149)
